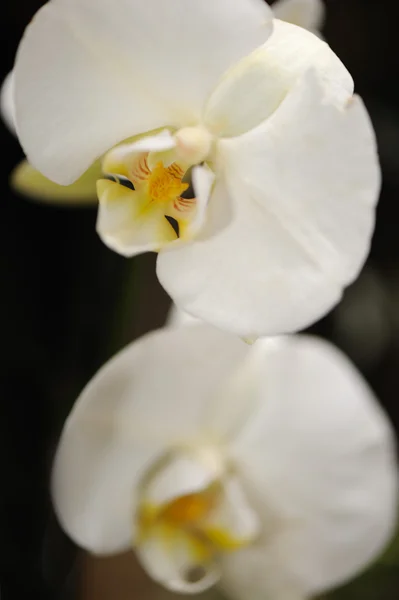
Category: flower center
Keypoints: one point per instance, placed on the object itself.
(190, 509)
(165, 183)
(144, 202)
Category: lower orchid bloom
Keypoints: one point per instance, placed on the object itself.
(268, 470)
(231, 144)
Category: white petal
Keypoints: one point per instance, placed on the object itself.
(90, 73)
(235, 402)
(7, 102)
(275, 255)
(318, 454)
(270, 72)
(170, 562)
(148, 398)
(305, 13)
(258, 574)
(177, 317)
(202, 179)
(159, 142)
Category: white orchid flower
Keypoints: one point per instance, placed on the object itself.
(280, 155)
(309, 14)
(267, 469)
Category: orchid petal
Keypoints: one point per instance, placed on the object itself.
(270, 72)
(202, 180)
(317, 460)
(292, 228)
(120, 159)
(233, 523)
(258, 574)
(89, 73)
(146, 400)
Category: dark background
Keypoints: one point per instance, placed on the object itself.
(67, 303)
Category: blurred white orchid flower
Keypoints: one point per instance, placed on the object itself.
(267, 469)
(280, 155)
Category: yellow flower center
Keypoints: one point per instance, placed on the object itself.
(142, 202)
(185, 512)
(189, 510)
(181, 537)
(192, 514)
(165, 183)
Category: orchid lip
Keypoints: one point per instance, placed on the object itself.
(147, 191)
(192, 508)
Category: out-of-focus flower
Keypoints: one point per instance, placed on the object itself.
(268, 469)
(308, 14)
(280, 155)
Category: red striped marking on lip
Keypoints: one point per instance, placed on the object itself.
(184, 204)
(175, 170)
(141, 170)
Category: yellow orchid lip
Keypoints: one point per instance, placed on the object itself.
(125, 181)
(160, 183)
(199, 517)
(142, 200)
(189, 518)
(190, 509)
(165, 183)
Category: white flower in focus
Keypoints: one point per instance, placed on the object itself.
(267, 469)
(308, 14)
(244, 161)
